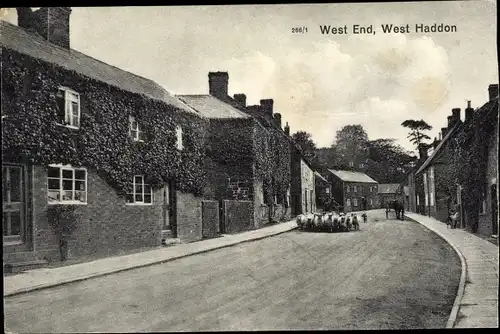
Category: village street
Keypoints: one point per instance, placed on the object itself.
(390, 274)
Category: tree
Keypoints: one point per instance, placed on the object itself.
(417, 128)
(307, 145)
(388, 162)
(351, 145)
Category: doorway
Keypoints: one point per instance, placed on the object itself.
(13, 203)
(169, 206)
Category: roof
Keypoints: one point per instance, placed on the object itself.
(348, 176)
(211, 107)
(319, 176)
(388, 188)
(31, 44)
(438, 148)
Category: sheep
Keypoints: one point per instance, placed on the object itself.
(355, 221)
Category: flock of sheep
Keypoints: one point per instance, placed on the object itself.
(330, 222)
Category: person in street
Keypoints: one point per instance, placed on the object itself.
(454, 214)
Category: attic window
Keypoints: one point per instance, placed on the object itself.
(134, 130)
(68, 108)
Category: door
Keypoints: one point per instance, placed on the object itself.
(13, 203)
(494, 209)
(169, 209)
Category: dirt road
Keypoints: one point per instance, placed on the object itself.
(390, 274)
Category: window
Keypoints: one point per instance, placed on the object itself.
(348, 189)
(371, 202)
(348, 202)
(68, 107)
(371, 189)
(355, 201)
(351, 164)
(141, 192)
(178, 131)
(361, 165)
(66, 185)
(327, 190)
(135, 132)
(355, 189)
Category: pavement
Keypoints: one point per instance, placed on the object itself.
(476, 304)
(44, 278)
(388, 275)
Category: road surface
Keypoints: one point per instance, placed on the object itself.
(390, 274)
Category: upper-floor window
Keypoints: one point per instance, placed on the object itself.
(327, 190)
(135, 131)
(66, 185)
(348, 202)
(355, 201)
(371, 188)
(141, 192)
(179, 135)
(355, 189)
(351, 164)
(348, 188)
(68, 108)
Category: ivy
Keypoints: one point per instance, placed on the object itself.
(475, 145)
(102, 143)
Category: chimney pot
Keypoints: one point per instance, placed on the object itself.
(493, 91)
(52, 23)
(218, 83)
(241, 99)
(287, 129)
(469, 112)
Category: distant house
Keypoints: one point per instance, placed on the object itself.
(249, 160)
(324, 199)
(389, 192)
(303, 190)
(354, 191)
(96, 160)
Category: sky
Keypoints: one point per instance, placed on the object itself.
(319, 82)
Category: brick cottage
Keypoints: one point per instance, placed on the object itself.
(96, 160)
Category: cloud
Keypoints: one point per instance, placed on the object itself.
(376, 81)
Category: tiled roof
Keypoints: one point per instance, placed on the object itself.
(211, 107)
(388, 188)
(348, 176)
(31, 44)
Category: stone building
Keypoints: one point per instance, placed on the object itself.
(354, 191)
(390, 192)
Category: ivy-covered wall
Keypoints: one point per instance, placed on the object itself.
(30, 132)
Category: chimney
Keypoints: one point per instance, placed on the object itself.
(469, 112)
(440, 136)
(241, 99)
(287, 129)
(277, 118)
(443, 132)
(217, 84)
(450, 121)
(267, 107)
(422, 151)
(493, 91)
(52, 23)
(456, 115)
